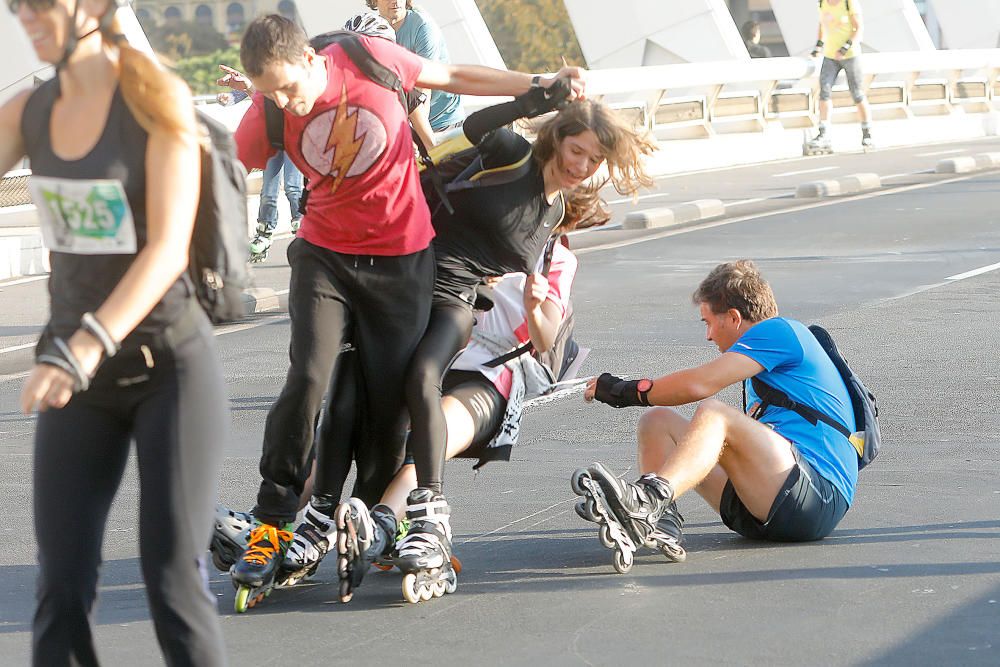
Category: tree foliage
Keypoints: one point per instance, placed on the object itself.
(181, 39)
(532, 35)
(201, 72)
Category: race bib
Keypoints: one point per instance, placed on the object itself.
(84, 217)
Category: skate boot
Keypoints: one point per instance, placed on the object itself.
(260, 244)
(296, 223)
(818, 145)
(362, 538)
(626, 513)
(668, 537)
(255, 574)
(229, 539)
(424, 555)
(309, 545)
(866, 139)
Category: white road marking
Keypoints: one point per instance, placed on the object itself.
(975, 272)
(639, 198)
(21, 281)
(15, 348)
(803, 171)
(932, 154)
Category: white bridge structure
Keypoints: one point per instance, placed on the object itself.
(710, 113)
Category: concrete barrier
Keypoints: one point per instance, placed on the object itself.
(835, 187)
(673, 216)
(956, 165)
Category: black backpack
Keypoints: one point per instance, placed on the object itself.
(564, 351)
(218, 254)
(867, 440)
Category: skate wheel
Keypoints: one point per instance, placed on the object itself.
(220, 564)
(576, 481)
(410, 592)
(604, 535)
(623, 561)
(674, 554)
(456, 564)
(242, 596)
(342, 542)
(345, 591)
(342, 566)
(451, 582)
(439, 588)
(426, 592)
(384, 567)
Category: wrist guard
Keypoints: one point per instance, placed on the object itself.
(540, 100)
(618, 393)
(845, 48)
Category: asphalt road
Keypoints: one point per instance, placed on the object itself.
(911, 576)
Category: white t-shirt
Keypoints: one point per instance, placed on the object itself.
(508, 315)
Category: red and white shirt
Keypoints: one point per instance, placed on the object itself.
(356, 150)
(508, 315)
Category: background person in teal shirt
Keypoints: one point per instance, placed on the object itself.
(417, 31)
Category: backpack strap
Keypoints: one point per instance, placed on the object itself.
(771, 396)
(550, 247)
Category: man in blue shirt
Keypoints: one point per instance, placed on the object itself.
(417, 31)
(778, 477)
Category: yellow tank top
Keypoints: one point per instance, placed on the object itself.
(837, 28)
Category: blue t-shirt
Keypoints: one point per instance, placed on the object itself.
(421, 35)
(795, 363)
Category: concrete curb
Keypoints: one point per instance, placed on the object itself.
(986, 161)
(260, 300)
(956, 165)
(835, 187)
(673, 216)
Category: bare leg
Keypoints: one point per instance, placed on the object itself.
(753, 456)
(461, 430)
(824, 110)
(865, 111)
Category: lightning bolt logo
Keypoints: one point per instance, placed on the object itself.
(343, 140)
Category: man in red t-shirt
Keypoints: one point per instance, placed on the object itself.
(362, 268)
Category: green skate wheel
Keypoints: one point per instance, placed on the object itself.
(242, 597)
(410, 592)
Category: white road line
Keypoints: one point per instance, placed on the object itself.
(21, 281)
(932, 154)
(803, 171)
(975, 272)
(15, 348)
(795, 209)
(639, 198)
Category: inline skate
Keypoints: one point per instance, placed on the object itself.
(424, 556)
(627, 514)
(818, 145)
(229, 539)
(310, 542)
(363, 537)
(258, 570)
(866, 139)
(260, 244)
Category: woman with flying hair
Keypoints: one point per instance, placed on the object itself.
(127, 354)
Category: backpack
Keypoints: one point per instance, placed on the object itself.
(218, 254)
(560, 357)
(867, 440)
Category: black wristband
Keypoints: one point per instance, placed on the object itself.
(616, 392)
(819, 43)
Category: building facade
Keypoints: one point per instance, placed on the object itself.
(226, 16)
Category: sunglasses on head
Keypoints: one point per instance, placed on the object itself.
(35, 5)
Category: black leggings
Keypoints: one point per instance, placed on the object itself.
(447, 334)
(176, 413)
(381, 301)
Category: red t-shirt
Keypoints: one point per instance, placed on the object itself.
(356, 150)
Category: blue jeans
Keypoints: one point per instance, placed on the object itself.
(268, 212)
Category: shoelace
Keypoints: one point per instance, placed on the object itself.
(265, 540)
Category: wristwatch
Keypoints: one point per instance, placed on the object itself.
(536, 81)
(643, 388)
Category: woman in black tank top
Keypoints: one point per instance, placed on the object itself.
(127, 354)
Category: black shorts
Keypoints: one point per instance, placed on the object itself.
(483, 401)
(808, 507)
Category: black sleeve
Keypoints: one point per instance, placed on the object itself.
(502, 147)
(533, 103)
